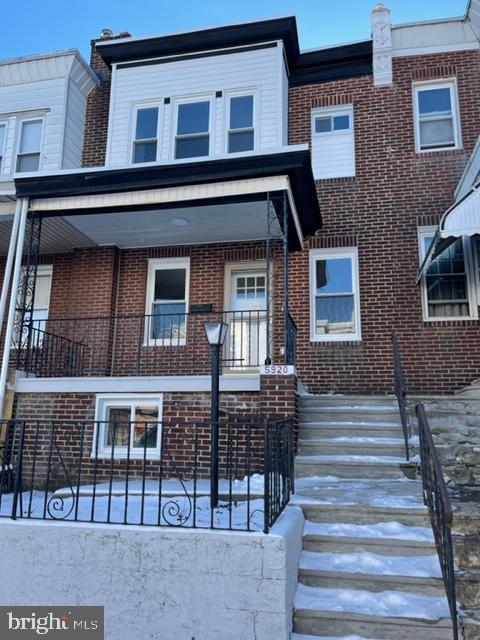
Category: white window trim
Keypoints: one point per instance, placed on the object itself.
(325, 254)
(325, 112)
(106, 401)
(21, 121)
(449, 83)
(133, 125)
(209, 97)
(424, 232)
(228, 95)
(153, 265)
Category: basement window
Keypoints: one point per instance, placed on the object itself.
(127, 427)
(192, 138)
(145, 142)
(28, 155)
(437, 123)
(334, 295)
(448, 286)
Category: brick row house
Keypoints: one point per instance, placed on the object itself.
(225, 175)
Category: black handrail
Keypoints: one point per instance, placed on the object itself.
(400, 391)
(436, 498)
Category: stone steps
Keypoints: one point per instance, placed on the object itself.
(369, 568)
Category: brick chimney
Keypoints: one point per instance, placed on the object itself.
(98, 102)
(382, 45)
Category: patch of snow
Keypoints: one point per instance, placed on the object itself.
(372, 563)
(180, 510)
(361, 439)
(394, 604)
(352, 458)
(383, 530)
(297, 636)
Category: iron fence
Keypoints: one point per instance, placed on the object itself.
(139, 344)
(439, 506)
(291, 341)
(146, 472)
(400, 391)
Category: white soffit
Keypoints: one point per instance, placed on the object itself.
(162, 196)
(463, 219)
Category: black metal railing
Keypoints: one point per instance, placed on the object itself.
(290, 341)
(436, 498)
(146, 472)
(400, 391)
(139, 344)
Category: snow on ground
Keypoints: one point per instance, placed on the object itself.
(384, 530)
(395, 604)
(179, 510)
(372, 563)
(353, 458)
(396, 493)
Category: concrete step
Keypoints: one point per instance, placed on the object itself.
(349, 544)
(352, 446)
(318, 623)
(371, 582)
(362, 514)
(367, 414)
(302, 636)
(338, 400)
(321, 429)
(350, 466)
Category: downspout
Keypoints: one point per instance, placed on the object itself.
(13, 299)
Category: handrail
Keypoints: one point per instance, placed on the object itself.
(436, 498)
(400, 391)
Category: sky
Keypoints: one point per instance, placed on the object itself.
(36, 26)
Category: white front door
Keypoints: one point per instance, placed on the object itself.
(246, 318)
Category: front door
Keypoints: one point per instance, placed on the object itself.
(246, 343)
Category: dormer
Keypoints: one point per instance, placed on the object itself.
(204, 94)
(42, 112)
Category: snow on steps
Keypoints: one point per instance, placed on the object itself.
(388, 615)
(301, 636)
(354, 445)
(350, 466)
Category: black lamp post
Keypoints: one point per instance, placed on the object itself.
(216, 334)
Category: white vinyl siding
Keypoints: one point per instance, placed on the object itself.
(182, 80)
(2, 143)
(333, 143)
(436, 116)
(74, 127)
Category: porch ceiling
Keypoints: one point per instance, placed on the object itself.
(226, 222)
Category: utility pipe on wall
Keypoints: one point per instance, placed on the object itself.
(22, 205)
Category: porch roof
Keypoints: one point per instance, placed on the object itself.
(192, 184)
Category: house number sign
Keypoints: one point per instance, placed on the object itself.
(277, 370)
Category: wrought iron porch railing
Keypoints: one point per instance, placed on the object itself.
(167, 344)
(146, 472)
(291, 340)
(400, 390)
(436, 498)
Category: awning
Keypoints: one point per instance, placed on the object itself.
(461, 219)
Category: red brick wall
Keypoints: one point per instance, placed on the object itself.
(394, 191)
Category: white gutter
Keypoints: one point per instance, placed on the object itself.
(23, 204)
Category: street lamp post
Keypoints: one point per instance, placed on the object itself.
(216, 333)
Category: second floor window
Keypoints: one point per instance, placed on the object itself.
(28, 156)
(2, 144)
(436, 117)
(145, 142)
(192, 138)
(241, 128)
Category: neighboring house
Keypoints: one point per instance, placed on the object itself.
(226, 175)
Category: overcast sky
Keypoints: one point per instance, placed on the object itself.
(35, 26)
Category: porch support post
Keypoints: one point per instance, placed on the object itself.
(13, 301)
(271, 219)
(10, 257)
(285, 276)
(24, 315)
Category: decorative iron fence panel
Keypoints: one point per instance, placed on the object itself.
(440, 509)
(146, 472)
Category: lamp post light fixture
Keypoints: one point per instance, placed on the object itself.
(216, 333)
